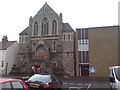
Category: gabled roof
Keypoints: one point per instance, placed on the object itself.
(46, 9)
(5, 45)
(24, 32)
(67, 27)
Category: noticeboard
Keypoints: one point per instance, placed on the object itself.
(92, 70)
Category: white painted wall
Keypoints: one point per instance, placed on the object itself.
(11, 56)
(2, 58)
(8, 56)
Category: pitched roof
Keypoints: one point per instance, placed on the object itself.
(24, 32)
(46, 9)
(4, 46)
(67, 27)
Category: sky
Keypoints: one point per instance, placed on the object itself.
(15, 14)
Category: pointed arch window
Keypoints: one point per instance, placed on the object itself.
(35, 28)
(54, 27)
(41, 53)
(45, 24)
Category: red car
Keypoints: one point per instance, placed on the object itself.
(12, 84)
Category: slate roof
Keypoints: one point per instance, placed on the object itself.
(24, 32)
(4, 46)
(67, 27)
(46, 9)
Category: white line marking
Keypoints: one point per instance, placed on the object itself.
(75, 88)
(64, 83)
(89, 85)
(79, 83)
(71, 83)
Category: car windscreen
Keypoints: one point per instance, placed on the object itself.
(40, 78)
(117, 72)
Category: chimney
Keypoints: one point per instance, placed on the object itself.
(5, 39)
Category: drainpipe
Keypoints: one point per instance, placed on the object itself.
(6, 68)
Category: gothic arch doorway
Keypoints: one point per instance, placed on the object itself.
(41, 53)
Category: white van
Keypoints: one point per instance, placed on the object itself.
(114, 77)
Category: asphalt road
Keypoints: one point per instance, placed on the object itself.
(86, 83)
(80, 83)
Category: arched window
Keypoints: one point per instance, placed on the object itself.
(45, 24)
(41, 53)
(35, 28)
(54, 27)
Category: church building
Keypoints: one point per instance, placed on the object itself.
(47, 44)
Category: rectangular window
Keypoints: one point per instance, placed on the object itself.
(54, 46)
(64, 37)
(83, 46)
(19, 39)
(22, 39)
(82, 34)
(68, 36)
(26, 39)
(2, 64)
(67, 55)
(83, 57)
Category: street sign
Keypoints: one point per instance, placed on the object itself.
(92, 70)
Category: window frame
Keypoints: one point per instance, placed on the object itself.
(35, 33)
(54, 27)
(45, 26)
(69, 37)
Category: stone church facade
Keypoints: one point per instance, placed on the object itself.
(47, 43)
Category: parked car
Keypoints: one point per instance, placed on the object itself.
(44, 81)
(12, 84)
(114, 77)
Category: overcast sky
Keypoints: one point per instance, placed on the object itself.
(15, 14)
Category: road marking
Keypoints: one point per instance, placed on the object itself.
(79, 83)
(71, 83)
(70, 88)
(64, 83)
(89, 85)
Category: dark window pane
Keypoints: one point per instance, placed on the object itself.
(68, 36)
(54, 27)
(36, 28)
(45, 25)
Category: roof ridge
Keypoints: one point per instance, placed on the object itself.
(45, 9)
(5, 45)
